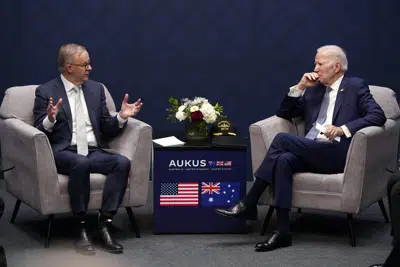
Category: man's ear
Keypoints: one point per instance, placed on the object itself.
(68, 68)
(337, 67)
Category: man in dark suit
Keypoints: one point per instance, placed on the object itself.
(334, 108)
(393, 192)
(78, 127)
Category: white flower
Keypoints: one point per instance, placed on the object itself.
(200, 100)
(180, 115)
(209, 114)
(194, 108)
(182, 108)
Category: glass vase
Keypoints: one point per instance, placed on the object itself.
(196, 131)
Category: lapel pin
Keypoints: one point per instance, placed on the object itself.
(341, 90)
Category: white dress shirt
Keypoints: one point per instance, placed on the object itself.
(91, 138)
(294, 92)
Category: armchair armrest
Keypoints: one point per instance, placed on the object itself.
(371, 159)
(34, 178)
(262, 133)
(135, 143)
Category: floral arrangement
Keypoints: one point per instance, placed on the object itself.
(197, 110)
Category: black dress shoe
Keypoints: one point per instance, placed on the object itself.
(278, 240)
(83, 245)
(240, 211)
(105, 240)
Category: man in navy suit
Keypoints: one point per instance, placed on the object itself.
(78, 127)
(334, 108)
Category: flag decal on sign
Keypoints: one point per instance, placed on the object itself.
(219, 193)
(210, 188)
(180, 194)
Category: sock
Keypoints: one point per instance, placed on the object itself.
(80, 218)
(283, 220)
(106, 216)
(251, 199)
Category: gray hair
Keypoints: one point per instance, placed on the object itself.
(337, 52)
(66, 54)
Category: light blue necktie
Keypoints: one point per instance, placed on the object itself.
(313, 133)
(81, 135)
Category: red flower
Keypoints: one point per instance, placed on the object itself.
(196, 116)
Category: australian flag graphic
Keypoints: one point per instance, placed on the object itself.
(219, 193)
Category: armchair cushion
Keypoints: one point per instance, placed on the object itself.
(386, 98)
(15, 98)
(327, 183)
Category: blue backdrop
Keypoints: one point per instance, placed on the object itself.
(244, 54)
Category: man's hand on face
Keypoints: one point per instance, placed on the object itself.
(52, 110)
(308, 80)
(332, 131)
(129, 110)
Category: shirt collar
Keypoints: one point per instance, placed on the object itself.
(67, 84)
(336, 84)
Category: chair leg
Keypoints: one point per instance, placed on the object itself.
(299, 210)
(48, 237)
(383, 209)
(350, 220)
(16, 209)
(267, 220)
(133, 221)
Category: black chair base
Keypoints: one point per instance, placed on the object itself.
(3, 259)
(132, 219)
(350, 221)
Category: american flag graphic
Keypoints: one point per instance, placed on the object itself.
(181, 194)
(228, 163)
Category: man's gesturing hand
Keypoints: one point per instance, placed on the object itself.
(332, 131)
(53, 110)
(308, 80)
(129, 110)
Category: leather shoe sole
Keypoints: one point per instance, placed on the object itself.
(112, 250)
(100, 243)
(246, 216)
(85, 250)
(275, 242)
(270, 248)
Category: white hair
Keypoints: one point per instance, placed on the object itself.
(337, 52)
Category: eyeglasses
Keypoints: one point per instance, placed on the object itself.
(84, 65)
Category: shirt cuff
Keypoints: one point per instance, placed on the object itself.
(346, 131)
(48, 125)
(294, 92)
(121, 121)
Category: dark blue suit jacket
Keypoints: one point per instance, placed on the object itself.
(104, 125)
(355, 107)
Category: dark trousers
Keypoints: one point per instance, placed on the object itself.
(116, 167)
(393, 192)
(289, 154)
(393, 189)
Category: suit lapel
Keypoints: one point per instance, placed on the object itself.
(60, 92)
(340, 98)
(90, 104)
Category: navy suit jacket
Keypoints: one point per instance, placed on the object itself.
(104, 125)
(355, 107)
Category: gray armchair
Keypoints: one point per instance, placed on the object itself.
(35, 180)
(371, 159)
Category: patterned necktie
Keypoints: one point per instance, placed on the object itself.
(81, 135)
(313, 133)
